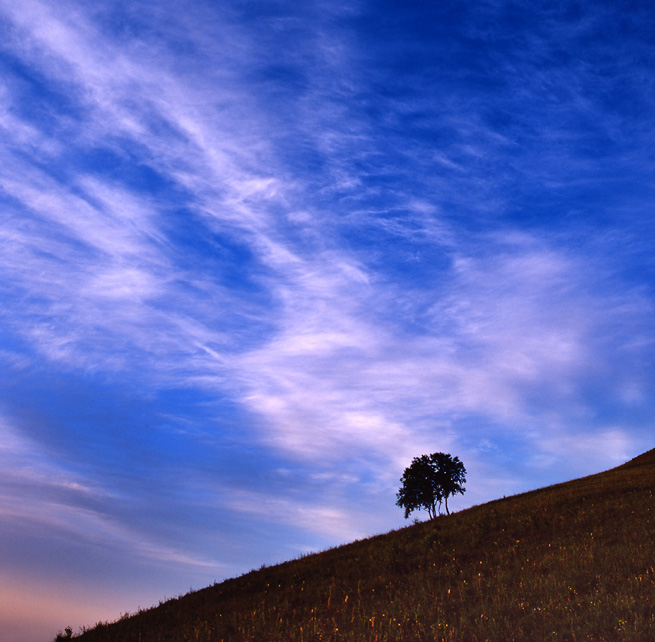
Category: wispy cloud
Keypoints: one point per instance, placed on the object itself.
(325, 521)
(38, 494)
(519, 318)
(329, 321)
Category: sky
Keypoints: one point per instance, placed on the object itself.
(257, 255)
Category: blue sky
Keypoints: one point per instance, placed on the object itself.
(257, 255)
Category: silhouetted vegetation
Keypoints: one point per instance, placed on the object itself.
(571, 562)
(430, 480)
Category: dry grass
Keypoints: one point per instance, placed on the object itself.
(570, 562)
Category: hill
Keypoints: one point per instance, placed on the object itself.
(570, 562)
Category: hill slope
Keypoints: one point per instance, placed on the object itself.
(575, 561)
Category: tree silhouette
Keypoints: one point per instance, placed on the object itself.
(429, 481)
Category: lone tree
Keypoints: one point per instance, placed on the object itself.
(430, 480)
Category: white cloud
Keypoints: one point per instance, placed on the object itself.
(336, 368)
(595, 450)
(52, 500)
(328, 521)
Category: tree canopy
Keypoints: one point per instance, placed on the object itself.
(429, 481)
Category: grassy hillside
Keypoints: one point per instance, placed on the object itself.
(575, 561)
